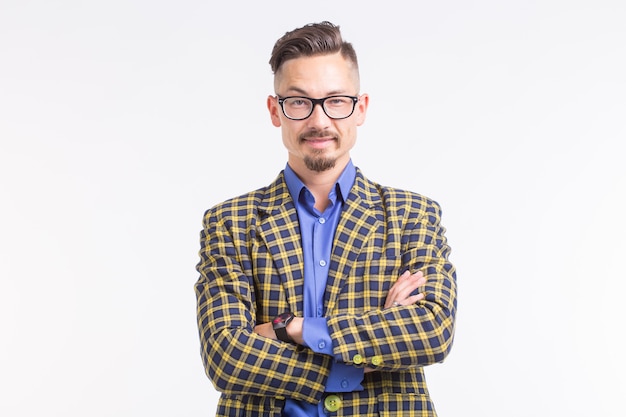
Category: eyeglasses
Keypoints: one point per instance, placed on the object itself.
(335, 107)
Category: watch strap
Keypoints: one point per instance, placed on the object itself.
(281, 334)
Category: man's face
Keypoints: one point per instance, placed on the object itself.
(317, 143)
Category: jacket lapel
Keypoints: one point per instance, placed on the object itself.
(279, 229)
(361, 218)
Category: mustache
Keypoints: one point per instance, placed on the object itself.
(313, 134)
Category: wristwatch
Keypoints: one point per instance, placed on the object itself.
(280, 326)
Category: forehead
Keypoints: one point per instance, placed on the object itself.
(317, 76)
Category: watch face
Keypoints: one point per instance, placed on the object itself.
(281, 318)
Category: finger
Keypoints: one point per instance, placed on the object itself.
(403, 296)
(396, 288)
(406, 286)
(408, 301)
(414, 299)
(402, 282)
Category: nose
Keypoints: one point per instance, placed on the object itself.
(318, 118)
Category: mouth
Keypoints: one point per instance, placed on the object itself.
(319, 142)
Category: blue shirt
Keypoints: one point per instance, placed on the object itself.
(317, 231)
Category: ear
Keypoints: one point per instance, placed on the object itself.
(361, 108)
(274, 109)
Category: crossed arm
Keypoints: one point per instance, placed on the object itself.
(399, 295)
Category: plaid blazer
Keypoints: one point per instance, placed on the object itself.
(251, 270)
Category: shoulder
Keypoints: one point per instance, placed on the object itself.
(397, 199)
(244, 202)
(251, 202)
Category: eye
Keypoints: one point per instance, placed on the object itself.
(298, 102)
(337, 101)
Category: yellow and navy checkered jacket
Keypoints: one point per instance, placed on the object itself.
(251, 270)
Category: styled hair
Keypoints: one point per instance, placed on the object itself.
(313, 39)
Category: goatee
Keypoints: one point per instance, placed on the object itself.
(319, 163)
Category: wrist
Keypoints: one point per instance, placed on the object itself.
(294, 329)
(280, 325)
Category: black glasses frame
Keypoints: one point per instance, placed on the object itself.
(315, 102)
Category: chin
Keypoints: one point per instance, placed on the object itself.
(320, 164)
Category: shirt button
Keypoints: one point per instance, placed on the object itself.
(322, 220)
(377, 360)
(357, 359)
(344, 383)
(319, 312)
(332, 403)
(322, 263)
(321, 345)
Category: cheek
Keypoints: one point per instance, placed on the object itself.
(292, 128)
(289, 134)
(348, 134)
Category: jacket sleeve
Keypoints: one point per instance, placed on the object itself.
(403, 337)
(237, 360)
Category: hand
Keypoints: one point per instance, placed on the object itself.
(400, 292)
(266, 330)
(294, 330)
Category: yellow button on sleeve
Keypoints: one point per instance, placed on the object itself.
(332, 403)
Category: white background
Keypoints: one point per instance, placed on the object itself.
(122, 121)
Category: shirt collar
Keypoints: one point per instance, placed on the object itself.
(342, 186)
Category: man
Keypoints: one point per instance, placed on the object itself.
(323, 293)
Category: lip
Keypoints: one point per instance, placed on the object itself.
(319, 143)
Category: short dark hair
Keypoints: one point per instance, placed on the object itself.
(309, 40)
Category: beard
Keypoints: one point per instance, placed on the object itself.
(318, 162)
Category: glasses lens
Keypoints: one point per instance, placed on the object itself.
(297, 107)
(339, 107)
